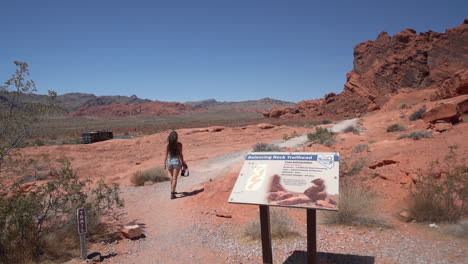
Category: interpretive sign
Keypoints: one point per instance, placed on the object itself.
(293, 179)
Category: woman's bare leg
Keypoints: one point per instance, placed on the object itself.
(171, 172)
(174, 176)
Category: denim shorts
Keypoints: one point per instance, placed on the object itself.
(174, 163)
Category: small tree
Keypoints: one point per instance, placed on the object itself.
(17, 116)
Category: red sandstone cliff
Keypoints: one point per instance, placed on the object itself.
(387, 64)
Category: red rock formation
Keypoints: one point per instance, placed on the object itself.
(387, 64)
(151, 108)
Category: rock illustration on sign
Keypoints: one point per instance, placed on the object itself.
(314, 196)
(256, 180)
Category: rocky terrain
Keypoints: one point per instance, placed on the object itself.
(388, 64)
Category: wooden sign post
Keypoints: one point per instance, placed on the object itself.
(266, 234)
(82, 229)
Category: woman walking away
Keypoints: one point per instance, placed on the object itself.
(174, 160)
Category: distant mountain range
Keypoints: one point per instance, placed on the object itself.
(83, 104)
(249, 105)
(75, 101)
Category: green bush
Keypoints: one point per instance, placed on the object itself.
(263, 147)
(322, 136)
(27, 217)
(417, 114)
(280, 225)
(361, 147)
(441, 193)
(156, 174)
(396, 127)
(356, 207)
(351, 129)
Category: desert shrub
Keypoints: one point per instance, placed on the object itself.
(372, 140)
(322, 136)
(351, 129)
(402, 106)
(441, 193)
(28, 216)
(361, 147)
(417, 114)
(264, 147)
(352, 168)
(396, 127)
(416, 135)
(419, 134)
(356, 207)
(321, 122)
(280, 225)
(18, 118)
(459, 229)
(156, 174)
(402, 136)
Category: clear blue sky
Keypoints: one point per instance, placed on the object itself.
(230, 50)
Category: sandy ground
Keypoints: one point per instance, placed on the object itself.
(187, 230)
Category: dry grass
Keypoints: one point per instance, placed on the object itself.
(459, 229)
(156, 174)
(356, 207)
(361, 147)
(417, 114)
(351, 129)
(441, 193)
(396, 127)
(416, 135)
(322, 136)
(280, 225)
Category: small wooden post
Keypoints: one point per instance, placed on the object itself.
(82, 229)
(311, 236)
(266, 235)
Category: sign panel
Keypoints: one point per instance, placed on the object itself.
(81, 218)
(293, 179)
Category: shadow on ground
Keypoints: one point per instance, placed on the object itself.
(192, 193)
(300, 257)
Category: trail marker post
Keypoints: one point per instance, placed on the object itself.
(308, 180)
(82, 229)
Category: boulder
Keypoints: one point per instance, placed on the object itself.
(132, 231)
(447, 112)
(265, 126)
(216, 129)
(406, 216)
(440, 126)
